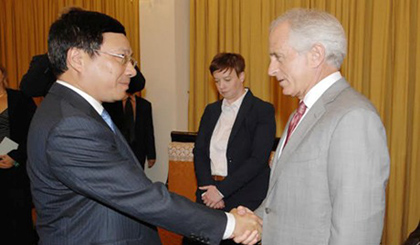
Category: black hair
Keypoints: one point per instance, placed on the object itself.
(81, 29)
(226, 61)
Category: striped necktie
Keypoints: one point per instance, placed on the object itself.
(295, 120)
(108, 120)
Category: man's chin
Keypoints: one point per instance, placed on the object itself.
(287, 93)
(121, 96)
(117, 97)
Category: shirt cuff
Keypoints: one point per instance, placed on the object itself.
(220, 193)
(230, 226)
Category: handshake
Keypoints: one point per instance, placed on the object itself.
(248, 227)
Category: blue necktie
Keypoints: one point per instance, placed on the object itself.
(108, 120)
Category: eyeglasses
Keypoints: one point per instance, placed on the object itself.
(124, 58)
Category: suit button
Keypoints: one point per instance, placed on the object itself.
(267, 210)
(230, 160)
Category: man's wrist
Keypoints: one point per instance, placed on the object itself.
(230, 226)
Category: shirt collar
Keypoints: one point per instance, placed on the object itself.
(316, 92)
(93, 102)
(236, 104)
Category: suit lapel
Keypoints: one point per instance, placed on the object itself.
(76, 101)
(79, 102)
(243, 111)
(307, 123)
(305, 126)
(215, 112)
(278, 149)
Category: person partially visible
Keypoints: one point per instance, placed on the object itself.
(133, 116)
(87, 185)
(16, 111)
(39, 78)
(234, 141)
(331, 167)
(414, 237)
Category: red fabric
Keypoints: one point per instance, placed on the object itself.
(295, 120)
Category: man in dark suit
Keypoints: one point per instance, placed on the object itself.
(87, 185)
(138, 127)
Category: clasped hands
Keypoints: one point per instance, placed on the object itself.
(6, 162)
(212, 198)
(248, 228)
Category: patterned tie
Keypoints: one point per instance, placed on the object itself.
(295, 120)
(129, 121)
(108, 120)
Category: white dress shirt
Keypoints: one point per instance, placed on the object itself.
(313, 95)
(221, 133)
(93, 102)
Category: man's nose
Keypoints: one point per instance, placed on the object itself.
(130, 70)
(272, 69)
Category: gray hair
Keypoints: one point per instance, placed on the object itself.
(309, 27)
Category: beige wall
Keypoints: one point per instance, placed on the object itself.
(164, 45)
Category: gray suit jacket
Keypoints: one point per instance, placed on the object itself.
(328, 186)
(89, 188)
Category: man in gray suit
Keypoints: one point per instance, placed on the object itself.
(327, 184)
(87, 185)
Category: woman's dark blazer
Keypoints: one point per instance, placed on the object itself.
(20, 110)
(248, 151)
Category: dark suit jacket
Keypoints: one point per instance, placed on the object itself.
(39, 78)
(20, 110)
(89, 188)
(144, 143)
(249, 147)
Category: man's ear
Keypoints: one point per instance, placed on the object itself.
(75, 59)
(317, 55)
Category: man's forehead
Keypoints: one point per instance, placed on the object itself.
(116, 41)
(278, 38)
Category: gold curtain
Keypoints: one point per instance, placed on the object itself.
(382, 63)
(24, 27)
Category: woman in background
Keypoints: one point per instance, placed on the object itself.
(234, 142)
(16, 112)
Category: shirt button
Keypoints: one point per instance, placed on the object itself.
(267, 210)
